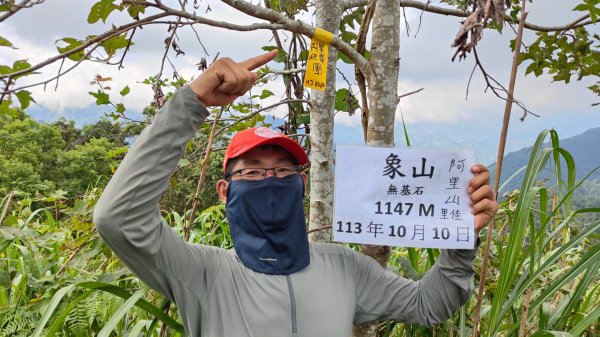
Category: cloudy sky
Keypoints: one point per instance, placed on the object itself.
(438, 117)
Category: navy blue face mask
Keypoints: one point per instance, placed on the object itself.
(267, 224)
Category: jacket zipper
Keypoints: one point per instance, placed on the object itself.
(292, 305)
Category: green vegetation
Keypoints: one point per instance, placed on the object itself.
(44, 158)
(58, 278)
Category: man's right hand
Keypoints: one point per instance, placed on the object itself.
(225, 80)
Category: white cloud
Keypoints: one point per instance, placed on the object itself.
(425, 63)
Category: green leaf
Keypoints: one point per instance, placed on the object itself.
(117, 152)
(120, 108)
(113, 44)
(304, 119)
(585, 323)
(125, 91)
(141, 303)
(5, 108)
(101, 10)
(344, 58)
(4, 69)
(5, 234)
(281, 54)
(551, 334)
(345, 101)
(122, 311)
(50, 309)
(10, 220)
(304, 55)
(139, 326)
(135, 10)
(58, 321)
(25, 98)
(20, 65)
(72, 43)
(101, 97)
(265, 93)
(5, 43)
(183, 162)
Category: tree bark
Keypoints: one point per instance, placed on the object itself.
(321, 131)
(383, 99)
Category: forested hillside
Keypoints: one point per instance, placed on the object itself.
(585, 149)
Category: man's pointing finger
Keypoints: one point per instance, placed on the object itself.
(258, 61)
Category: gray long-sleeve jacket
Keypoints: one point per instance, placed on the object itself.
(217, 296)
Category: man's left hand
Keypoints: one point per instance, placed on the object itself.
(483, 202)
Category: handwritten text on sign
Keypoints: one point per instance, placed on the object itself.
(401, 197)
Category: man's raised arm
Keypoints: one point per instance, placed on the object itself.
(127, 215)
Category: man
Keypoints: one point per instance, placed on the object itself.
(274, 283)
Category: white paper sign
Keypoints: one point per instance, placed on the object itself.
(402, 197)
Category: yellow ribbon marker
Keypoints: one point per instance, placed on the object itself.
(316, 68)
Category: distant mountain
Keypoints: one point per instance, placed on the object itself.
(585, 149)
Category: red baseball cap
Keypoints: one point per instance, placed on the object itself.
(248, 139)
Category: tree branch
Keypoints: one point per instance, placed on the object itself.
(195, 155)
(361, 43)
(459, 13)
(211, 138)
(409, 93)
(202, 20)
(17, 7)
(300, 27)
(97, 39)
(287, 71)
(489, 79)
(277, 21)
(8, 90)
(261, 110)
(114, 32)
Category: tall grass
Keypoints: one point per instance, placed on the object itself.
(57, 278)
(542, 257)
(544, 267)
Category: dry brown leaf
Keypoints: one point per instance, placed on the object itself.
(473, 20)
(472, 27)
(498, 11)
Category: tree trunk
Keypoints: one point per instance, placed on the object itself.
(321, 132)
(383, 99)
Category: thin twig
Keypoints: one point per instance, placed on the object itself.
(198, 37)
(261, 110)
(62, 63)
(129, 40)
(421, 19)
(469, 82)
(523, 326)
(410, 93)
(14, 8)
(84, 45)
(77, 250)
(158, 95)
(495, 89)
(8, 91)
(503, 134)
(318, 229)
(287, 71)
(361, 78)
(193, 156)
(425, 6)
(211, 139)
(351, 107)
